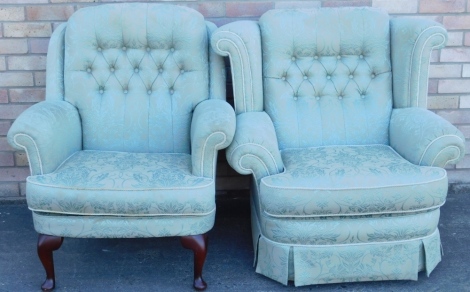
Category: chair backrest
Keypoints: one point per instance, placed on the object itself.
(327, 76)
(135, 72)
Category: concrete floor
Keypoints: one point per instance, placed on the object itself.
(161, 264)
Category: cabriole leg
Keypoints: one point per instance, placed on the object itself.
(198, 244)
(46, 245)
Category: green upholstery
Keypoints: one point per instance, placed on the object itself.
(126, 142)
(346, 161)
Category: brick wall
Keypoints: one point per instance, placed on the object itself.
(26, 25)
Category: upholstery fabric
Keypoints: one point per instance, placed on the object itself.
(126, 143)
(330, 86)
(138, 73)
(121, 226)
(424, 138)
(347, 183)
(124, 184)
(350, 180)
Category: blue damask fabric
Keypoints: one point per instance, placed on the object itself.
(125, 184)
(350, 180)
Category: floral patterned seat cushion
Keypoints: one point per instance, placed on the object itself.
(350, 180)
(124, 184)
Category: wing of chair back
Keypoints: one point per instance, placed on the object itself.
(134, 116)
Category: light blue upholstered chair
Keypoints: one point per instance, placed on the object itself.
(125, 144)
(346, 159)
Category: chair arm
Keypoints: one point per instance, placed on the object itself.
(255, 148)
(424, 138)
(49, 132)
(241, 41)
(412, 41)
(212, 129)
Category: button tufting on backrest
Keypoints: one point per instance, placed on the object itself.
(308, 52)
(135, 55)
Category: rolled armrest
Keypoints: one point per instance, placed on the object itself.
(425, 138)
(49, 132)
(412, 41)
(255, 149)
(212, 129)
(241, 41)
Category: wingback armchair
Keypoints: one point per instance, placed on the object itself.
(347, 162)
(125, 144)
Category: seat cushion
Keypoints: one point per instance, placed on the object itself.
(125, 184)
(350, 180)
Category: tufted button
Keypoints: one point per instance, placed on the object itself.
(182, 71)
(283, 78)
(149, 92)
(305, 77)
(160, 70)
(124, 48)
(148, 49)
(328, 77)
(363, 96)
(317, 97)
(171, 90)
(372, 75)
(315, 57)
(340, 97)
(293, 58)
(338, 57)
(295, 97)
(125, 91)
(136, 70)
(172, 50)
(99, 49)
(361, 56)
(351, 76)
(101, 90)
(111, 69)
(88, 70)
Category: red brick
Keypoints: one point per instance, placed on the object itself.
(14, 173)
(455, 116)
(247, 9)
(457, 21)
(297, 4)
(346, 3)
(432, 86)
(13, 46)
(397, 6)
(9, 190)
(49, 12)
(3, 64)
(24, 1)
(212, 9)
(21, 159)
(27, 63)
(6, 159)
(11, 13)
(27, 29)
(39, 46)
(454, 86)
(40, 78)
(467, 39)
(4, 146)
(4, 127)
(455, 55)
(3, 96)
(27, 95)
(12, 111)
(441, 6)
(15, 79)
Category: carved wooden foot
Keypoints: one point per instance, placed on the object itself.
(46, 245)
(198, 244)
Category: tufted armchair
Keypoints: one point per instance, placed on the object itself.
(125, 144)
(346, 159)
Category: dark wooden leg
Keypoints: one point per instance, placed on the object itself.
(198, 244)
(46, 245)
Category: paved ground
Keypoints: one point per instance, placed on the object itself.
(161, 264)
